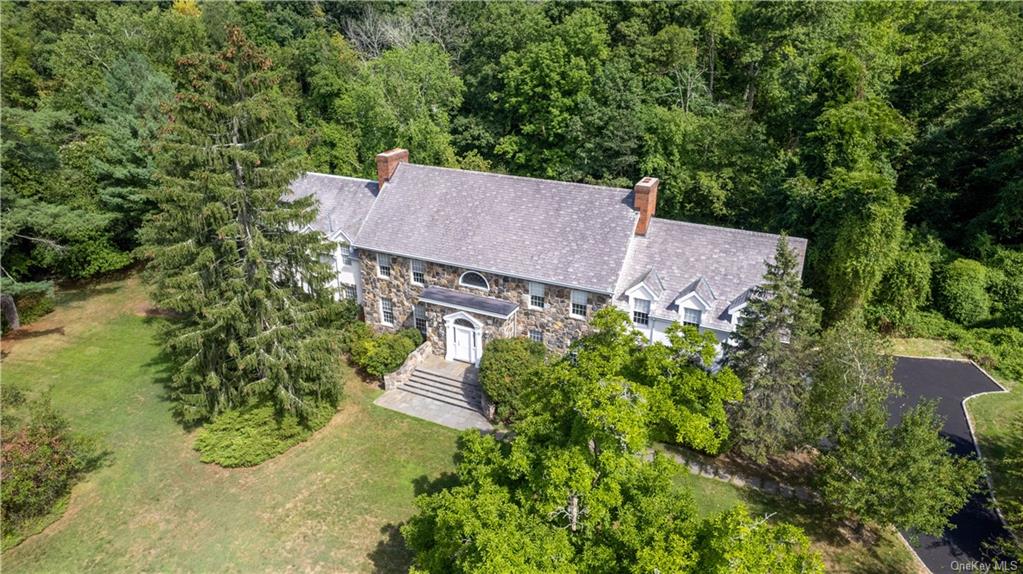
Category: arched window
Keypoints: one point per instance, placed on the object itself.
(464, 323)
(474, 280)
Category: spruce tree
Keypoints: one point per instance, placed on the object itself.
(771, 354)
(228, 251)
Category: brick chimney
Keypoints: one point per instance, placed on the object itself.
(645, 202)
(387, 162)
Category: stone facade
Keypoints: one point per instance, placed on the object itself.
(554, 321)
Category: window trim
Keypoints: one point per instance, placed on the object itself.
(383, 316)
(534, 286)
(572, 303)
(699, 316)
(380, 267)
(417, 317)
(636, 312)
(347, 289)
(412, 271)
(462, 283)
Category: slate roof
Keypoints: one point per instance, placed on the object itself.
(344, 201)
(462, 300)
(716, 262)
(559, 233)
(701, 288)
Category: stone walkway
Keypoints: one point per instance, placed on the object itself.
(433, 411)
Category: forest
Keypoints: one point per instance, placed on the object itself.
(160, 136)
(889, 134)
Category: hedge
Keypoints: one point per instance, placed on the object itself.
(378, 355)
(251, 435)
(507, 370)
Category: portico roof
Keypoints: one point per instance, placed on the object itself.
(489, 306)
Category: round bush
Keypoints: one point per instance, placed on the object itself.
(507, 369)
(378, 355)
(962, 291)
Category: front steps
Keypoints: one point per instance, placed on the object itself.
(461, 392)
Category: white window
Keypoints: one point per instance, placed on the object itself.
(691, 317)
(579, 304)
(474, 280)
(386, 312)
(536, 335)
(418, 272)
(419, 315)
(346, 254)
(641, 311)
(348, 291)
(536, 295)
(383, 265)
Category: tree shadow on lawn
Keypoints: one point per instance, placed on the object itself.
(162, 366)
(391, 554)
(824, 527)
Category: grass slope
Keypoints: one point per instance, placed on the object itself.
(329, 504)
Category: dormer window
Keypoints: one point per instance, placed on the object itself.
(346, 254)
(691, 317)
(641, 312)
(474, 280)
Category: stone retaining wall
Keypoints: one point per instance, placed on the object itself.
(404, 372)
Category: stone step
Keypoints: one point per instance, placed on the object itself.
(440, 391)
(467, 390)
(443, 376)
(461, 404)
(445, 381)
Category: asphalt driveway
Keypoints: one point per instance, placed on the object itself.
(950, 382)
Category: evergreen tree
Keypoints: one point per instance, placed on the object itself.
(771, 354)
(228, 253)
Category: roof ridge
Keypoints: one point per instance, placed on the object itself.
(338, 176)
(606, 188)
(735, 229)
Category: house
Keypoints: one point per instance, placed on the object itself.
(467, 257)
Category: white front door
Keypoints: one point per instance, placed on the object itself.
(462, 342)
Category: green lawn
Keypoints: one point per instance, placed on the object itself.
(844, 550)
(330, 504)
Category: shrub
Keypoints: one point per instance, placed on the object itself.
(379, 355)
(962, 291)
(352, 334)
(41, 459)
(905, 286)
(33, 299)
(251, 435)
(507, 369)
(1001, 348)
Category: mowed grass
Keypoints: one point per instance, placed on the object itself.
(330, 504)
(844, 551)
(993, 416)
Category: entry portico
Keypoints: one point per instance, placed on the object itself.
(462, 323)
